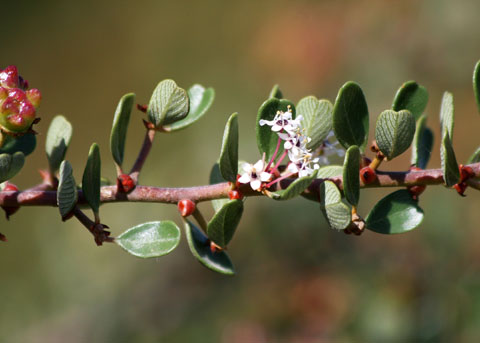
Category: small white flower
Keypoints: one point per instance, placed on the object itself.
(283, 122)
(255, 174)
(303, 164)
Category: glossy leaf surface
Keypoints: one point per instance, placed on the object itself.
(422, 144)
(394, 132)
(447, 115)
(351, 175)
(228, 161)
(118, 136)
(168, 104)
(67, 195)
(10, 165)
(411, 97)
(317, 119)
(451, 173)
(91, 178)
(201, 100)
(58, 138)
(350, 116)
(337, 213)
(153, 239)
(199, 245)
(223, 224)
(395, 213)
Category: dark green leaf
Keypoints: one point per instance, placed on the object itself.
(394, 132)
(222, 226)
(294, 189)
(216, 177)
(475, 157)
(121, 119)
(25, 143)
(476, 84)
(317, 119)
(10, 165)
(58, 138)
(411, 97)
(228, 161)
(201, 100)
(267, 139)
(276, 92)
(395, 213)
(337, 214)
(422, 144)
(168, 104)
(350, 116)
(91, 178)
(351, 175)
(199, 245)
(451, 174)
(67, 195)
(447, 115)
(153, 239)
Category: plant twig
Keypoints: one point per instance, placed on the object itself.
(143, 154)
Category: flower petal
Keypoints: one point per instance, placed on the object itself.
(255, 184)
(245, 178)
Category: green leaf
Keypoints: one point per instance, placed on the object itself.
(201, 100)
(351, 175)
(10, 165)
(153, 239)
(317, 119)
(276, 93)
(58, 138)
(422, 144)
(475, 157)
(395, 213)
(199, 245)
(294, 189)
(121, 119)
(411, 97)
(168, 104)
(350, 116)
(329, 172)
(67, 195)
(216, 177)
(476, 84)
(394, 132)
(25, 143)
(447, 115)
(222, 226)
(337, 214)
(267, 139)
(91, 178)
(228, 161)
(451, 173)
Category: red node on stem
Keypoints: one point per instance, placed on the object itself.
(215, 247)
(368, 175)
(125, 183)
(142, 108)
(10, 210)
(186, 207)
(235, 194)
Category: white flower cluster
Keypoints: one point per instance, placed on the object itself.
(302, 160)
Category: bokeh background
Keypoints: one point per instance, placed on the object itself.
(297, 280)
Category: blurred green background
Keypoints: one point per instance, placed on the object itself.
(297, 280)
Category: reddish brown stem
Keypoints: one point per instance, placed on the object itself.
(143, 154)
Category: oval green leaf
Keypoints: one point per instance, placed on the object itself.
(294, 189)
(422, 144)
(395, 213)
(411, 97)
(67, 195)
(216, 177)
(267, 139)
(317, 119)
(10, 165)
(25, 143)
(199, 245)
(201, 100)
(121, 119)
(350, 116)
(451, 173)
(223, 224)
(168, 104)
(58, 138)
(228, 161)
(476, 84)
(337, 213)
(394, 132)
(276, 92)
(447, 115)
(324, 173)
(91, 178)
(351, 175)
(153, 239)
